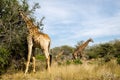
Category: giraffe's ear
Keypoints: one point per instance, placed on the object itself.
(20, 10)
(91, 39)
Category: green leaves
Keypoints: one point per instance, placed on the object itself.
(4, 59)
(107, 51)
(13, 31)
(4, 56)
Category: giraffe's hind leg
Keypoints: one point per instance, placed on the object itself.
(47, 60)
(33, 59)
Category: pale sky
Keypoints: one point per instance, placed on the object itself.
(70, 21)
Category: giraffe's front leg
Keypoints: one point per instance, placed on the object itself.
(28, 60)
(29, 53)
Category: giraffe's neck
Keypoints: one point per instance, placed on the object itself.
(31, 27)
(84, 44)
(28, 22)
(26, 19)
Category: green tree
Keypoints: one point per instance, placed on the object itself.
(13, 30)
(105, 49)
(68, 50)
(117, 48)
(92, 52)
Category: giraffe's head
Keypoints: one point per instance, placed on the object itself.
(91, 40)
(20, 12)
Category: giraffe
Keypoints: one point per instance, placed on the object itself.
(80, 49)
(36, 39)
(59, 54)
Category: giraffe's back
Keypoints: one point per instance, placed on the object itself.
(41, 40)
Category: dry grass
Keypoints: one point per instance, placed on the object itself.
(108, 71)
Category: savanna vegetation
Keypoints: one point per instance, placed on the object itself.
(104, 51)
(102, 60)
(87, 71)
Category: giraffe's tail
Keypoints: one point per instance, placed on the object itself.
(50, 56)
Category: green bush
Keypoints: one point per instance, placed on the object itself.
(68, 62)
(92, 55)
(77, 61)
(40, 57)
(59, 63)
(4, 59)
(118, 60)
(106, 59)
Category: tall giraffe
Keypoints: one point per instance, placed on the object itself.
(36, 39)
(80, 49)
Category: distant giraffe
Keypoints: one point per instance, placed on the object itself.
(58, 55)
(80, 49)
(36, 39)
